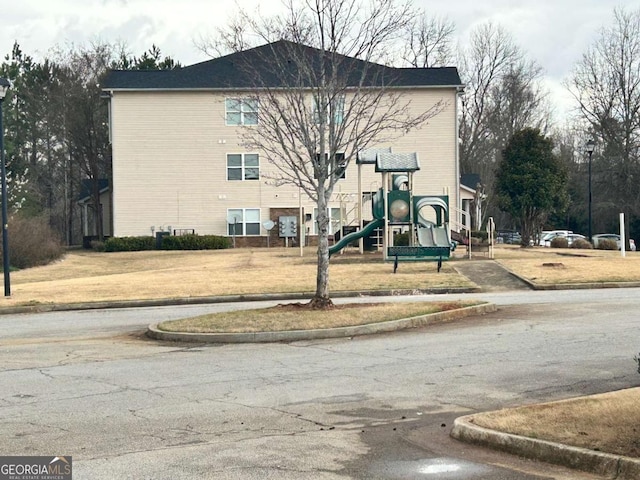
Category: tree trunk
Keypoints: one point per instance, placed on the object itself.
(321, 298)
(97, 211)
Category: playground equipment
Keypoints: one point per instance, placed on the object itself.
(395, 207)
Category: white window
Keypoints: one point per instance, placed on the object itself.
(340, 163)
(241, 111)
(333, 107)
(243, 221)
(243, 166)
(334, 224)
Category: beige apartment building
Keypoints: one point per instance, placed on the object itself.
(179, 164)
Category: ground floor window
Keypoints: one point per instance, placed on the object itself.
(243, 221)
(334, 224)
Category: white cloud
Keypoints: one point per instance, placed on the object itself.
(555, 33)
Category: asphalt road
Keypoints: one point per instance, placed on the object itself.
(90, 385)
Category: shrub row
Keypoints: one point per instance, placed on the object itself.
(129, 244)
(183, 242)
(607, 244)
(582, 244)
(195, 242)
(579, 243)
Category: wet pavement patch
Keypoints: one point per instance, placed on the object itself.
(415, 445)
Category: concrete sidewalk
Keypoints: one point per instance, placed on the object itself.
(490, 276)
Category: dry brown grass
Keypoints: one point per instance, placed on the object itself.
(605, 422)
(577, 266)
(83, 276)
(609, 422)
(298, 317)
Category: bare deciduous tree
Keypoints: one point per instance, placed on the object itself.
(606, 85)
(321, 104)
(503, 95)
(428, 42)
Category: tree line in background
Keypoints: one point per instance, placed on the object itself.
(56, 135)
(57, 146)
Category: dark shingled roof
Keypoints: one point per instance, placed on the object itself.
(86, 188)
(470, 180)
(265, 64)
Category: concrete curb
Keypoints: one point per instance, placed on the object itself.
(295, 335)
(570, 286)
(163, 302)
(582, 286)
(605, 464)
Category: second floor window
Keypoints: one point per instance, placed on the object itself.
(334, 107)
(339, 163)
(243, 166)
(241, 111)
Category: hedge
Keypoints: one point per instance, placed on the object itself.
(559, 242)
(195, 242)
(607, 244)
(581, 243)
(129, 244)
(183, 242)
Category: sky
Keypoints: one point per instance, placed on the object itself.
(554, 33)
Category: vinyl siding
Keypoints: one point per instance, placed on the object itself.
(169, 162)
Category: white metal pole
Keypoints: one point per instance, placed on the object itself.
(491, 229)
(623, 242)
(360, 221)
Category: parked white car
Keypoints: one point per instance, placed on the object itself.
(547, 235)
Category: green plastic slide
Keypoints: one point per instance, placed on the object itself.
(347, 239)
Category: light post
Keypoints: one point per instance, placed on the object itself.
(590, 146)
(4, 88)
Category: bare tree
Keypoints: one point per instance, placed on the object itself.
(503, 95)
(321, 104)
(86, 131)
(429, 42)
(606, 86)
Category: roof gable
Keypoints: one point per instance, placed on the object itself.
(231, 72)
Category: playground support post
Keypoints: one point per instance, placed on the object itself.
(385, 206)
(302, 229)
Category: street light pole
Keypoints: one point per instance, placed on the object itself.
(590, 146)
(4, 88)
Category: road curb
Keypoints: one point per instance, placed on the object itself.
(605, 464)
(257, 297)
(295, 335)
(570, 286)
(583, 286)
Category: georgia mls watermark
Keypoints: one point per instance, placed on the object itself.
(35, 468)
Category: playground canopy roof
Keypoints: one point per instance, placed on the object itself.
(397, 162)
(370, 156)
